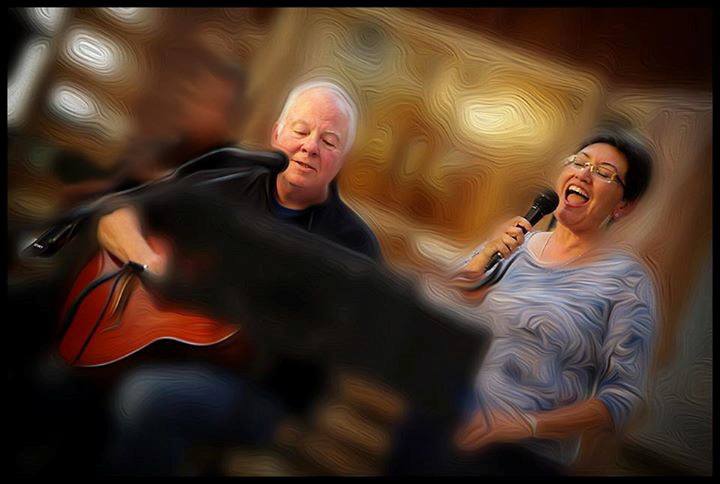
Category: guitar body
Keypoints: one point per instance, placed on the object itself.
(132, 319)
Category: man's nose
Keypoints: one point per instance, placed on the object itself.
(310, 145)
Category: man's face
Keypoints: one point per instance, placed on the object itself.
(314, 138)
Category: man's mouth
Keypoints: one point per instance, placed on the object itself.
(576, 196)
(305, 165)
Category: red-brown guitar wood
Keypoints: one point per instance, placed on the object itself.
(133, 318)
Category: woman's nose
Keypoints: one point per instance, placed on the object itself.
(586, 172)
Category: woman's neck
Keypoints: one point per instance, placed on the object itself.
(564, 245)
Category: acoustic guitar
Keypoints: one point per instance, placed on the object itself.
(119, 317)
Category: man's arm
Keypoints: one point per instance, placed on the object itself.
(120, 233)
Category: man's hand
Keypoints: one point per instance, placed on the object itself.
(120, 233)
(499, 426)
(157, 264)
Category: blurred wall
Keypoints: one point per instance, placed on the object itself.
(461, 121)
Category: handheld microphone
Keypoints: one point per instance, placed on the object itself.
(545, 203)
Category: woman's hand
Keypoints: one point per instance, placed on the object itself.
(508, 237)
(498, 426)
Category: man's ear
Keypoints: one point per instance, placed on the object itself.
(623, 208)
(275, 134)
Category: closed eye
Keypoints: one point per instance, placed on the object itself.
(606, 169)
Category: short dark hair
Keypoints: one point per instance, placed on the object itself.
(637, 154)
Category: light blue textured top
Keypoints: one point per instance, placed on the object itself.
(566, 334)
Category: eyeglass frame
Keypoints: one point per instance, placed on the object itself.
(570, 160)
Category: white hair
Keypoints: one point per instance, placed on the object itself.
(346, 104)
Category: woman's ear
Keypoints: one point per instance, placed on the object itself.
(623, 208)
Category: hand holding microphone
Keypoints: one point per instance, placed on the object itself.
(501, 244)
(514, 235)
(506, 239)
(511, 235)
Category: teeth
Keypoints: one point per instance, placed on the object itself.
(579, 191)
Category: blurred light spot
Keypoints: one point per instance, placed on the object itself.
(484, 118)
(93, 51)
(133, 17)
(510, 119)
(73, 102)
(124, 13)
(438, 248)
(47, 19)
(20, 85)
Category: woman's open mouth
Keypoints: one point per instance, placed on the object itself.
(576, 196)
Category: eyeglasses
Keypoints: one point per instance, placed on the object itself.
(602, 172)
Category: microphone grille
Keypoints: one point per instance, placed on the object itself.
(547, 200)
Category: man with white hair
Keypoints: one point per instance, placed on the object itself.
(159, 411)
(315, 130)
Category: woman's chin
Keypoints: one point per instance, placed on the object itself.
(569, 220)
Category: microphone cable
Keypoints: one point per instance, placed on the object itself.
(129, 267)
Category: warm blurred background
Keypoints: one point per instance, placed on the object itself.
(464, 114)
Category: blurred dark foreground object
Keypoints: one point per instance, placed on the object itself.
(297, 294)
(351, 432)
